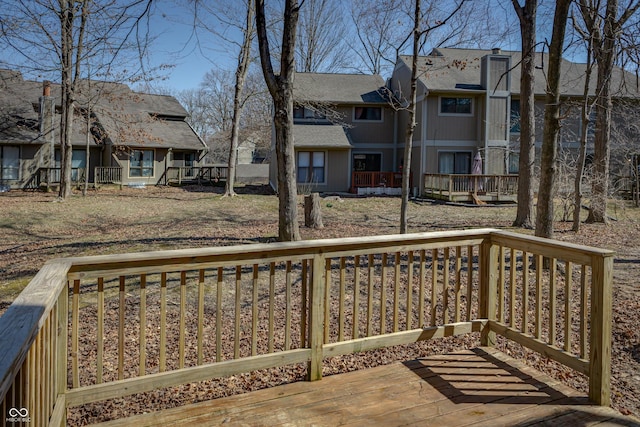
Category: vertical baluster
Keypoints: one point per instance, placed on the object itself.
(568, 279)
(445, 286)
(183, 310)
(512, 288)
(421, 290)
(356, 298)
(469, 281)
(327, 299)
(525, 292)
(287, 331)
(272, 294)
(383, 296)
(458, 283)
(409, 290)
(341, 300)
(143, 324)
(200, 336)
(121, 309)
(370, 282)
(254, 312)
(501, 285)
(434, 285)
(396, 290)
(163, 323)
(303, 315)
(584, 312)
(236, 329)
(100, 331)
(539, 268)
(552, 301)
(219, 315)
(75, 319)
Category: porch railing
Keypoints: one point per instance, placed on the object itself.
(463, 183)
(376, 179)
(48, 176)
(206, 173)
(340, 296)
(108, 175)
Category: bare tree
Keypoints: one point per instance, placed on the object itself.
(527, 17)
(65, 35)
(281, 88)
(417, 34)
(544, 215)
(606, 27)
(321, 37)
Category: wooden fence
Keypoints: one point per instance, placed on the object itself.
(93, 328)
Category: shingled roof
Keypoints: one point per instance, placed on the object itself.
(338, 88)
(320, 136)
(451, 69)
(127, 118)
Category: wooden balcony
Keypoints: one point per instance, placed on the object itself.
(470, 188)
(89, 329)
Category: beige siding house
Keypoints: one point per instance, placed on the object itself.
(133, 137)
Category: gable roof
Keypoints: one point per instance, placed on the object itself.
(452, 69)
(125, 117)
(338, 88)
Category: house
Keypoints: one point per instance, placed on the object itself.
(342, 123)
(132, 138)
(467, 104)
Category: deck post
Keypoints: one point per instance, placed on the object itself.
(488, 288)
(600, 339)
(61, 356)
(316, 313)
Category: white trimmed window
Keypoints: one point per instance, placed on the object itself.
(456, 106)
(141, 163)
(311, 167)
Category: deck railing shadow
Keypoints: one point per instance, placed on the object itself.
(89, 329)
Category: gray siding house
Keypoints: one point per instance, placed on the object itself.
(132, 137)
(347, 134)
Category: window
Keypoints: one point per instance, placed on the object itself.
(141, 163)
(454, 162)
(514, 162)
(367, 162)
(300, 112)
(515, 116)
(10, 165)
(310, 166)
(456, 106)
(367, 114)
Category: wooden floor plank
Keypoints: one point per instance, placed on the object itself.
(474, 388)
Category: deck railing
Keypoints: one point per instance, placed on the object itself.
(205, 173)
(108, 175)
(94, 328)
(376, 179)
(462, 183)
(48, 176)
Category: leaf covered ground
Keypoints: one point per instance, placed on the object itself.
(35, 228)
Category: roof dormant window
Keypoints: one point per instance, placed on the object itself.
(456, 106)
(369, 114)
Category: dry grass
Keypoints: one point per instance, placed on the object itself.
(34, 228)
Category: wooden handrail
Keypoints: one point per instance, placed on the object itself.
(413, 287)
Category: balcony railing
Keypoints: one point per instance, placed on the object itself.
(93, 328)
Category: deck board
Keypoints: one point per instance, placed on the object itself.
(469, 388)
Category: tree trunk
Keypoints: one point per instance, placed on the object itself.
(548, 167)
(527, 17)
(281, 89)
(312, 211)
(244, 58)
(66, 117)
(604, 55)
(408, 142)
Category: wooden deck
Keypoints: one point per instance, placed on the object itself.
(481, 386)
